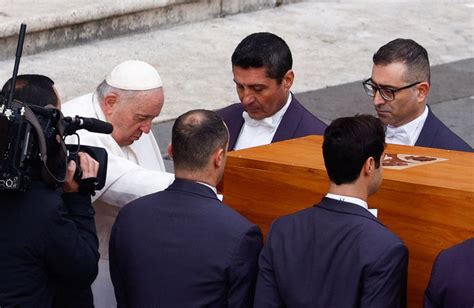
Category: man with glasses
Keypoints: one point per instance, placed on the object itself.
(400, 85)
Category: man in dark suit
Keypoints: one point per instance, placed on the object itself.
(452, 278)
(337, 254)
(399, 85)
(182, 247)
(268, 112)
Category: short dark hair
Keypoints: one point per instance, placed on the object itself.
(348, 143)
(196, 135)
(264, 49)
(409, 52)
(33, 90)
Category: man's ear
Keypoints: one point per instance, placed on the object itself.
(369, 166)
(219, 157)
(288, 80)
(109, 103)
(169, 149)
(423, 91)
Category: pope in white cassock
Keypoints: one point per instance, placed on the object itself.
(129, 98)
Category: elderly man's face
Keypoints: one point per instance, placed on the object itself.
(260, 95)
(132, 112)
(408, 103)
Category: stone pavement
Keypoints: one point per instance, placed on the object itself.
(332, 44)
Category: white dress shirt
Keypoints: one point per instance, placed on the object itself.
(353, 200)
(260, 132)
(406, 134)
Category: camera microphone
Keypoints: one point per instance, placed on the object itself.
(90, 124)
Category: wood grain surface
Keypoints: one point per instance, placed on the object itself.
(430, 207)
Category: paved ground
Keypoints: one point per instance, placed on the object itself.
(332, 44)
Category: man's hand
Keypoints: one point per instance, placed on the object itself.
(89, 169)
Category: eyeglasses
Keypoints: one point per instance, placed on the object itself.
(387, 94)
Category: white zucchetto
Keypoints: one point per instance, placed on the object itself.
(134, 75)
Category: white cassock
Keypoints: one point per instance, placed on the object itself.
(133, 171)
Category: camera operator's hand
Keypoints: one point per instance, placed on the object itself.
(89, 169)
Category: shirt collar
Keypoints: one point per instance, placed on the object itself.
(353, 200)
(211, 187)
(406, 134)
(269, 122)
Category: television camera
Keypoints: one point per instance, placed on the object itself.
(32, 143)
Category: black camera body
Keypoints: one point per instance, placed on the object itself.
(32, 142)
(16, 150)
(32, 146)
(99, 154)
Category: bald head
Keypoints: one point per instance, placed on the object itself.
(196, 135)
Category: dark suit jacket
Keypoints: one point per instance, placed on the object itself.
(452, 278)
(48, 249)
(296, 122)
(435, 134)
(182, 247)
(335, 254)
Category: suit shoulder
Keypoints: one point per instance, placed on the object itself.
(447, 134)
(230, 215)
(297, 222)
(140, 204)
(458, 254)
(377, 232)
(230, 111)
(444, 138)
(220, 213)
(309, 123)
(371, 230)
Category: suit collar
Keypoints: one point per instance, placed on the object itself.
(192, 187)
(429, 130)
(235, 126)
(290, 121)
(346, 208)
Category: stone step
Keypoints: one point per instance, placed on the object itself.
(54, 24)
